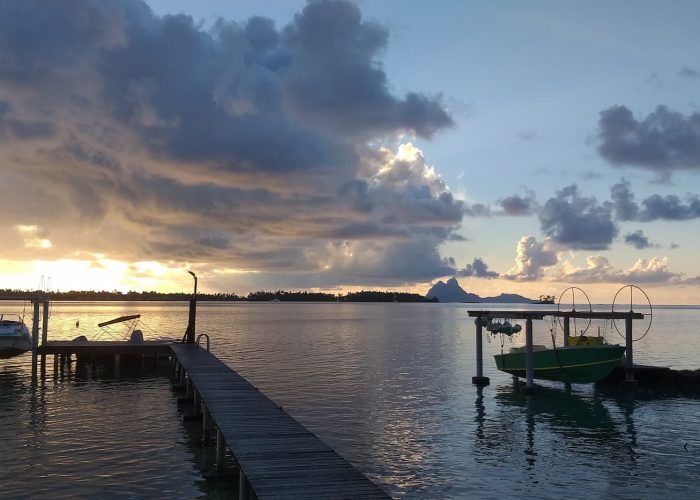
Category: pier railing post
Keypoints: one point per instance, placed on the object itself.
(479, 380)
(567, 330)
(529, 362)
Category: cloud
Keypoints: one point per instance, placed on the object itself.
(532, 258)
(527, 135)
(654, 207)
(664, 141)
(651, 271)
(578, 222)
(518, 205)
(623, 201)
(688, 72)
(477, 269)
(638, 240)
(246, 146)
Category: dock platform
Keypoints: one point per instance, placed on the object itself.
(92, 347)
(278, 458)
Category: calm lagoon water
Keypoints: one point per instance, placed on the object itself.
(387, 385)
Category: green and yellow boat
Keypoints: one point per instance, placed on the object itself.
(584, 361)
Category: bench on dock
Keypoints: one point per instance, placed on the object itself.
(277, 456)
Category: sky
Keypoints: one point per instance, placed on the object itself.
(337, 145)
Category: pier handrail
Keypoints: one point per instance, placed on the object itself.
(203, 335)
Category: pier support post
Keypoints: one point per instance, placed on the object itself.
(44, 333)
(479, 380)
(220, 450)
(116, 364)
(55, 366)
(629, 383)
(244, 491)
(196, 400)
(35, 337)
(206, 425)
(529, 362)
(188, 389)
(567, 330)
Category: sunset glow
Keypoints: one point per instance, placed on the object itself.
(328, 146)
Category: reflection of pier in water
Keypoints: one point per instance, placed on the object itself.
(562, 422)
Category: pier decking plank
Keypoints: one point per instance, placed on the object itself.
(280, 457)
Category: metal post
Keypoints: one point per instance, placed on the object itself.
(529, 362)
(220, 450)
(191, 330)
(629, 383)
(567, 330)
(35, 337)
(479, 380)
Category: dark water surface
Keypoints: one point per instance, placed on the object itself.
(387, 385)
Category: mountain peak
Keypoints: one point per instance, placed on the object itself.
(450, 291)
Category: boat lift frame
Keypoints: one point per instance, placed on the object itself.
(528, 316)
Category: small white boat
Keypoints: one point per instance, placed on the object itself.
(14, 336)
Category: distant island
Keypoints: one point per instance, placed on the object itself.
(452, 292)
(259, 296)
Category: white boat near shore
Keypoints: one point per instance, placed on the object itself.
(14, 336)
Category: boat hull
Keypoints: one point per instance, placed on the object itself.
(14, 338)
(581, 365)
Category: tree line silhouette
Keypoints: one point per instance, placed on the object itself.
(259, 296)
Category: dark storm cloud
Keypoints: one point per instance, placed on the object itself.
(653, 207)
(663, 141)
(638, 240)
(578, 222)
(39, 38)
(13, 128)
(243, 145)
(334, 79)
(478, 269)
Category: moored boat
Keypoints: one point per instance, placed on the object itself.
(582, 363)
(14, 336)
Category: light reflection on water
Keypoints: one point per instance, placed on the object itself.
(386, 385)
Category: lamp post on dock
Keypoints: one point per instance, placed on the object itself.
(190, 332)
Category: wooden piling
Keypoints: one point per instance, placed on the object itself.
(220, 450)
(35, 337)
(244, 490)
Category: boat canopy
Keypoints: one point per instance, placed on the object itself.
(120, 319)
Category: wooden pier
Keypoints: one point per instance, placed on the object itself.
(277, 457)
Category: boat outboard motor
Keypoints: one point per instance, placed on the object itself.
(136, 336)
